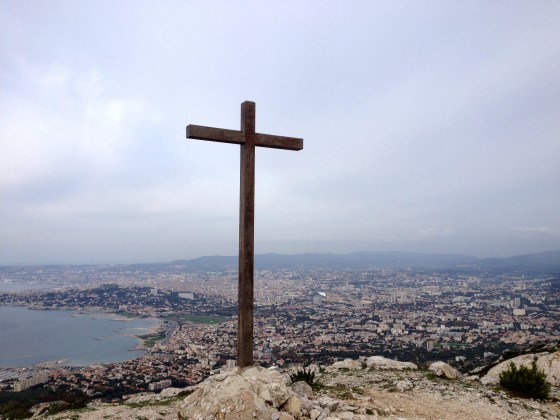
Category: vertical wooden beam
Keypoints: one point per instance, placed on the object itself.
(248, 139)
(246, 237)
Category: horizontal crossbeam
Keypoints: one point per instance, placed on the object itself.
(222, 135)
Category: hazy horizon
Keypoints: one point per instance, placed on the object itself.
(101, 263)
(428, 127)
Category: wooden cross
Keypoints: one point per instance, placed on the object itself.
(248, 139)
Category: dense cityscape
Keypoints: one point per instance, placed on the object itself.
(301, 316)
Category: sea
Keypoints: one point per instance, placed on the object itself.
(29, 337)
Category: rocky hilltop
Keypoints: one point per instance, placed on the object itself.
(371, 388)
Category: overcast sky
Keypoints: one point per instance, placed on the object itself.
(427, 126)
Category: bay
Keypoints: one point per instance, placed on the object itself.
(28, 337)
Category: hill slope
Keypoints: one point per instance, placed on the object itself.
(542, 262)
(348, 390)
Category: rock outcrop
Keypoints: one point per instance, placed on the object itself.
(379, 362)
(345, 393)
(347, 364)
(237, 394)
(258, 393)
(444, 370)
(146, 397)
(373, 362)
(549, 363)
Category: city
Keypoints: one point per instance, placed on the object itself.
(304, 316)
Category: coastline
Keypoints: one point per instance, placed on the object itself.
(150, 331)
(140, 345)
(73, 359)
(16, 373)
(153, 331)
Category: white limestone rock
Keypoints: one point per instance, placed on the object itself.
(314, 414)
(343, 406)
(302, 388)
(324, 414)
(293, 406)
(242, 393)
(404, 385)
(170, 392)
(379, 362)
(286, 416)
(329, 403)
(346, 364)
(445, 370)
(144, 397)
(378, 399)
(549, 363)
(141, 397)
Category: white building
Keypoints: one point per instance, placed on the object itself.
(156, 386)
(23, 384)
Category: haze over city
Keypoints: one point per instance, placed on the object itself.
(427, 127)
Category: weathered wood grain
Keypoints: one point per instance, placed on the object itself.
(246, 237)
(222, 135)
(199, 132)
(278, 142)
(247, 139)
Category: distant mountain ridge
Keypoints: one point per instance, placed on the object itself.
(545, 261)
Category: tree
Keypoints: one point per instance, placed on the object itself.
(526, 382)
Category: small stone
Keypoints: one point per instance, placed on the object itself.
(302, 388)
(264, 393)
(314, 414)
(346, 407)
(329, 403)
(293, 406)
(326, 413)
(306, 404)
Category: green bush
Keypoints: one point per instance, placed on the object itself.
(526, 382)
(306, 375)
